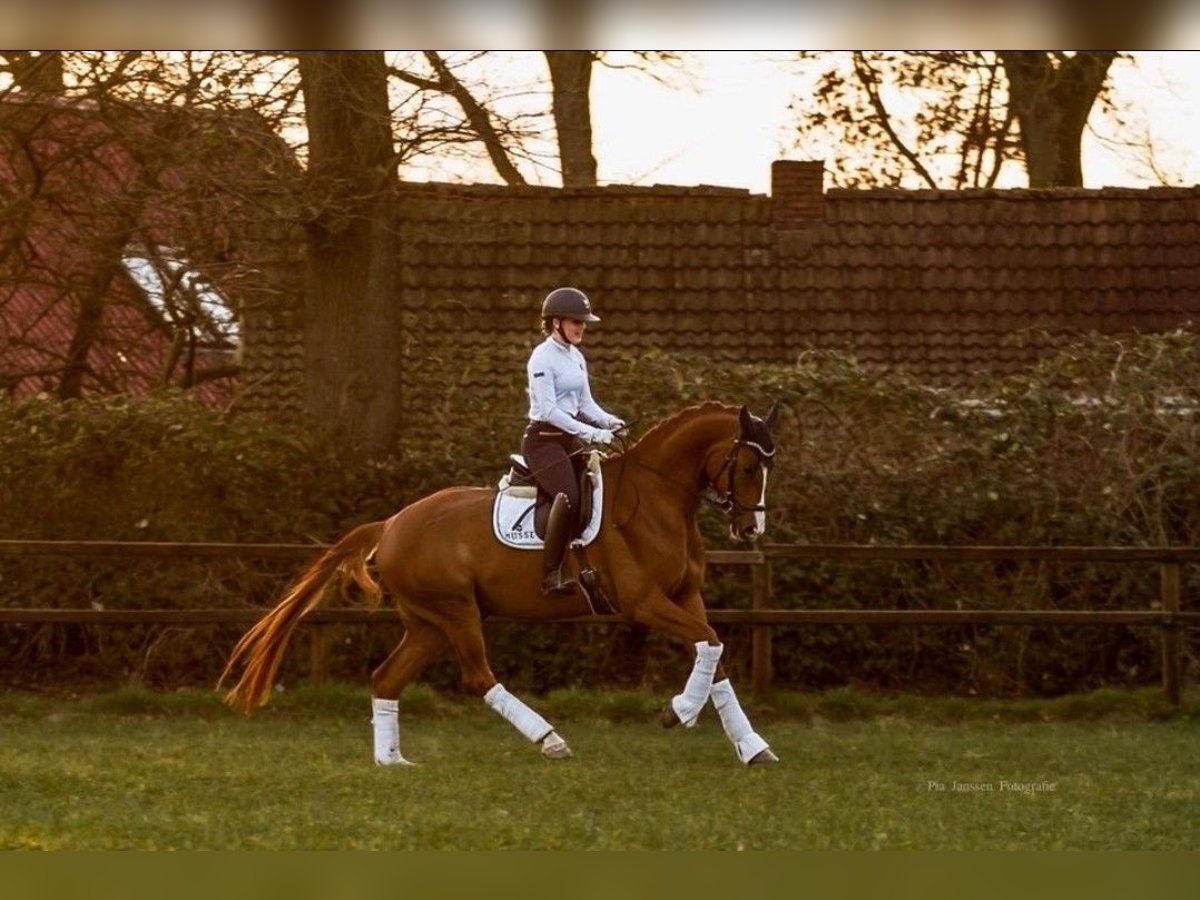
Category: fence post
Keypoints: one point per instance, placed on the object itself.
(761, 662)
(1169, 590)
(318, 653)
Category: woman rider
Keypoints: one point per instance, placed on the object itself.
(562, 415)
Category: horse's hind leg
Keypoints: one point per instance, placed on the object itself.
(419, 646)
(466, 634)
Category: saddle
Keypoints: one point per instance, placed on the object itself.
(520, 510)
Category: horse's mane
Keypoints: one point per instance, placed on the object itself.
(670, 423)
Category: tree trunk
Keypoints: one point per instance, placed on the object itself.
(351, 298)
(114, 221)
(88, 322)
(571, 80)
(1052, 105)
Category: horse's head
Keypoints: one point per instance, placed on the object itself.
(741, 482)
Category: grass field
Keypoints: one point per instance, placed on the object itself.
(133, 769)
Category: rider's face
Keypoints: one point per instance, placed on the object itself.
(572, 330)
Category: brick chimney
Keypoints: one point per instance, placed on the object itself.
(797, 192)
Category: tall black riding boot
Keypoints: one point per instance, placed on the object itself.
(558, 535)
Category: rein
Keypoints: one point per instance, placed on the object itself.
(581, 452)
(727, 502)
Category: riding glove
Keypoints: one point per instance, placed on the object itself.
(601, 436)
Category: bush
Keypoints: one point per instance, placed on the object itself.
(1098, 445)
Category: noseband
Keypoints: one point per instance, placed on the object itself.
(728, 502)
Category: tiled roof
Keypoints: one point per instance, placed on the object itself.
(935, 282)
(74, 197)
(931, 282)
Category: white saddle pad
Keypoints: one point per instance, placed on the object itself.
(513, 511)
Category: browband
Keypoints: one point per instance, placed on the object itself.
(762, 451)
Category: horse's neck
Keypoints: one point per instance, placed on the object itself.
(684, 451)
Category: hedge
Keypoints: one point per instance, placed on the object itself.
(1097, 445)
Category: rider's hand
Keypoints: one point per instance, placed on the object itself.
(615, 424)
(602, 436)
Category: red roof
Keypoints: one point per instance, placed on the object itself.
(80, 186)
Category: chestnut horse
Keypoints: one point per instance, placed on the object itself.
(447, 572)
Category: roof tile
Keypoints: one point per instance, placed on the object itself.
(930, 281)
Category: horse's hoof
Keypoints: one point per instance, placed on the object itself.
(554, 747)
(763, 756)
(668, 717)
(392, 761)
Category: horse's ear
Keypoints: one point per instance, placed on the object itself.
(745, 420)
(772, 415)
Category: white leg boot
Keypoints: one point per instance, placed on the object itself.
(746, 741)
(687, 705)
(528, 722)
(385, 720)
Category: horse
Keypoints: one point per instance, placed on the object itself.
(447, 572)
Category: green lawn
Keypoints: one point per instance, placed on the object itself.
(137, 770)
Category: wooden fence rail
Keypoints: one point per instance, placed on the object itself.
(761, 617)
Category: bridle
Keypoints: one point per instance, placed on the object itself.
(728, 502)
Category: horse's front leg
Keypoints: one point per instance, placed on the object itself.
(747, 743)
(660, 613)
(750, 747)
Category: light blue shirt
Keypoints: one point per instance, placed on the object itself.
(559, 392)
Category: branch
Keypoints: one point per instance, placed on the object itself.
(867, 78)
(983, 121)
(1001, 139)
(425, 84)
(649, 63)
(103, 87)
(478, 117)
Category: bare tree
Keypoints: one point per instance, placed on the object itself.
(570, 85)
(499, 135)
(1052, 95)
(351, 294)
(953, 118)
(510, 121)
(34, 71)
(127, 154)
(930, 119)
(201, 134)
(571, 82)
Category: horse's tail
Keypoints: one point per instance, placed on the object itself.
(261, 648)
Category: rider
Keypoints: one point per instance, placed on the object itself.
(562, 415)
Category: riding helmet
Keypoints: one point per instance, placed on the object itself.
(568, 303)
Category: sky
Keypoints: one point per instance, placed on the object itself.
(728, 120)
(730, 131)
